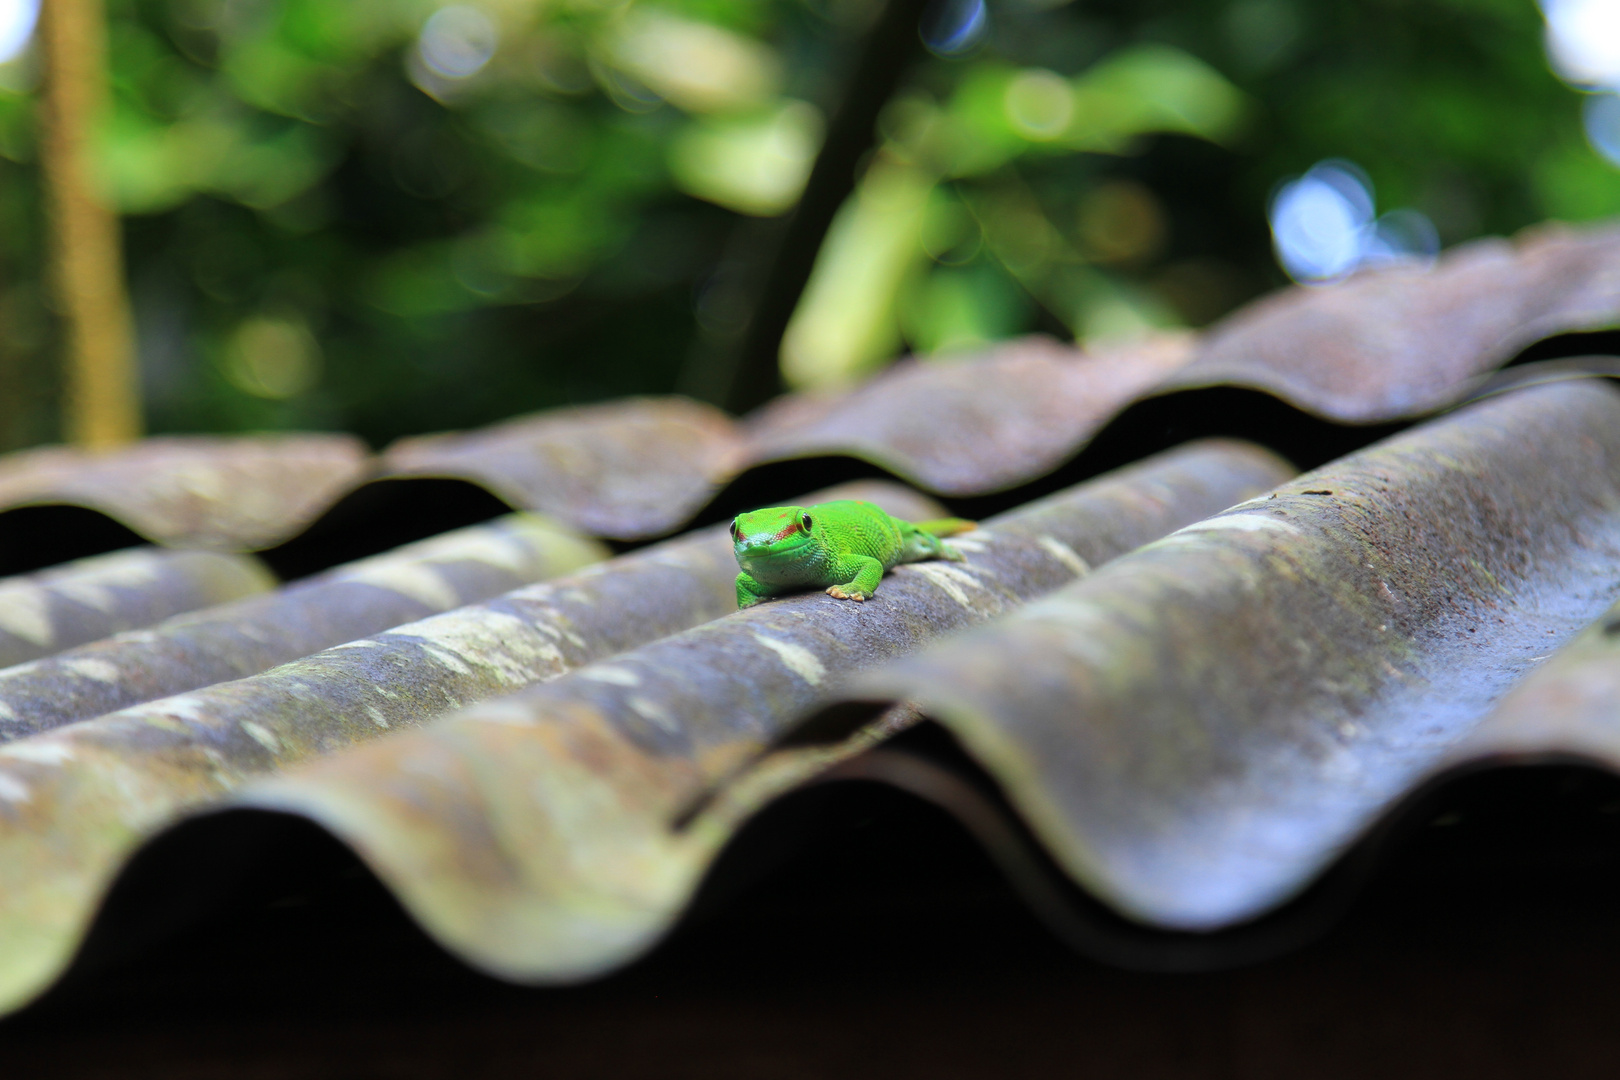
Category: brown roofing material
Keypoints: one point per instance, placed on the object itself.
(1405, 340)
(1201, 728)
(239, 493)
(89, 599)
(1387, 344)
(45, 774)
(75, 801)
(629, 469)
(248, 636)
(970, 426)
(558, 832)
(1566, 710)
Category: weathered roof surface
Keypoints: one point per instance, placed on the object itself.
(217, 493)
(629, 469)
(92, 598)
(1195, 731)
(1567, 708)
(1391, 343)
(82, 797)
(1403, 340)
(546, 835)
(970, 427)
(242, 638)
(1188, 708)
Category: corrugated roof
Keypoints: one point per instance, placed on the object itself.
(213, 492)
(1388, 345)
(1198, 729)
(93, 598)
(223, 642)
(1187, 708)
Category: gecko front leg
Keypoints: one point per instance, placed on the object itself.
(749, 591)
(862, 573)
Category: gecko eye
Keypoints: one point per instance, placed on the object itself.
(735, 532)
(805, 521)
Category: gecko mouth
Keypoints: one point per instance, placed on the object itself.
(763, 554)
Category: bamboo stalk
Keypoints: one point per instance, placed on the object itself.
(102, 397)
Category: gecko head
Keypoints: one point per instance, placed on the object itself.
(776, 532)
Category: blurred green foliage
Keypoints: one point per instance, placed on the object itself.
(389, 217)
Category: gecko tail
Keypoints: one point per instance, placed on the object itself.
(945, 526)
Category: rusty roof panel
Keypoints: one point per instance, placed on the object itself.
(75, 801)
(970, 426)
(216, 493)
(630, 469)
(534, 833)
(1404, 340)
(1569, 707)
(1387, 344)
(1200, 728)
(1194, 731)
(251, 635)
(89, 599)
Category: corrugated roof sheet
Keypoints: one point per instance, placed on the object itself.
(687, 708)
(92, 598)
(558, 832)
(1402, 341)
(1195, 731)
(1390, 344)
(234, 640)
(1187, 708)
(218, 493)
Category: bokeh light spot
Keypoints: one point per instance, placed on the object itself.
(1600, 115)
(1040, 104)
(1583, 40)
(1323, 225)
(1121, 221)
(17, 19)
(1317, 230)
(1318, 222)
(274, 357)
(457, 41)
(954, 27)
(1400, 235)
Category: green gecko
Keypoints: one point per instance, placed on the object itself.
(844, 547)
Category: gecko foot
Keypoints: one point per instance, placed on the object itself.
(837, 593)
